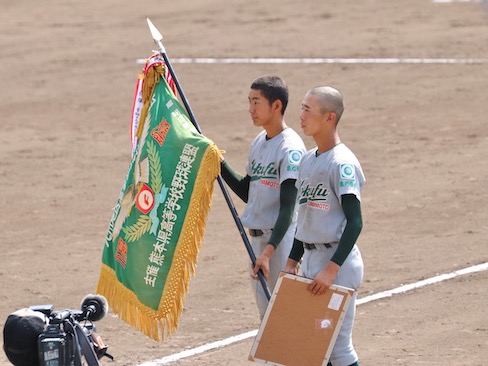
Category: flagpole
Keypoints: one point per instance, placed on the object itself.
(158, 40)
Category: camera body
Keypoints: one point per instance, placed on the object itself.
(65, 338)
(56, 347)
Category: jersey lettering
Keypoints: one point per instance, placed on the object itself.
(311, 193)
(320, 206)
(269, 183)
(259, 171)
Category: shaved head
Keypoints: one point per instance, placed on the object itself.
(329, 99)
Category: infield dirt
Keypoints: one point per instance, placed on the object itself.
(68, 71)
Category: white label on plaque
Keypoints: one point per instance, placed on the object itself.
(335, 301)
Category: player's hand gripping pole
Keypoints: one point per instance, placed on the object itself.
(158, 40)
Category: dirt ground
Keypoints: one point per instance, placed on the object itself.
(68, 70)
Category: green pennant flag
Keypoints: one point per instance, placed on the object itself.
(158, 223)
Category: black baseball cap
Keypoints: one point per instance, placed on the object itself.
(20, 335)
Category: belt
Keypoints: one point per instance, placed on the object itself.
(317, 245)
(256, 232)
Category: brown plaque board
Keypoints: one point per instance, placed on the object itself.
(299, 328)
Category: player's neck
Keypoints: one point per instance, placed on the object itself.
(326, 142)
(274, 129)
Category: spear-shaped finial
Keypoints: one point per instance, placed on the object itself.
(156, 36)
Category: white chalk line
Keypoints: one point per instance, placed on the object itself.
(201, 349)
(402, 289)
(458, 1)
(274, 60)
(428, 281)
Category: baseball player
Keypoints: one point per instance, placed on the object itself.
(329, 211)
(268, 187)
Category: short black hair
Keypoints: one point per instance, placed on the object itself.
(273, 88)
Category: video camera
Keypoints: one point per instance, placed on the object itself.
(66, 338)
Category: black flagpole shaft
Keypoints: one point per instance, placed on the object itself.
(219, 178)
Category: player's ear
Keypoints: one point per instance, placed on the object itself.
(277, 105)
(330, 117)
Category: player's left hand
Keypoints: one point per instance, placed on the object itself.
(324, 279)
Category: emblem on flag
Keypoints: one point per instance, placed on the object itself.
(145, 199)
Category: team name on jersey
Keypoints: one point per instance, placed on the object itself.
(260, 171)
(312, 193)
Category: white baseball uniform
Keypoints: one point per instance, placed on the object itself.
(270, 163)
(323, 179)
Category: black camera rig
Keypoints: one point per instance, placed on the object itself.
(69, 338)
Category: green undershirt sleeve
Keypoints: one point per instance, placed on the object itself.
(288, 195)
(354, 223)
(237, 182)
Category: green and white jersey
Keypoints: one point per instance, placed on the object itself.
(270, 163)
(323, 180)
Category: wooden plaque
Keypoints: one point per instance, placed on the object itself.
(299, 328)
